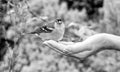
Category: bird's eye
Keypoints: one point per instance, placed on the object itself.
(59, 21)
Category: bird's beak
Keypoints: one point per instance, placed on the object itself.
(60, 23)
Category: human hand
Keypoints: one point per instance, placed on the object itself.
(88, 47)
(61, 47)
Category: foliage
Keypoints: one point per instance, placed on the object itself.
(30, 56)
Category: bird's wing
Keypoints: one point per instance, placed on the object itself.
(43, 29)
(47, 29)
(50, 24)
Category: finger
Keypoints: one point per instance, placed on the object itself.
(58, 47)
(53, 45)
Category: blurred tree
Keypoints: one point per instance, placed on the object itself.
(91, 6)
(4, 26)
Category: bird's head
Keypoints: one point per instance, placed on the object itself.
(59, 24)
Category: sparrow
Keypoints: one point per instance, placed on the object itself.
(52, 31)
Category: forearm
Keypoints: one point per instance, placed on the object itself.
(110, 42)
(114, 42)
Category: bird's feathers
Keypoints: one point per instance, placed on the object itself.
(47, 28)
(43, 29)
(53, 30)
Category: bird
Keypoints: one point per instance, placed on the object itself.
(52, 31)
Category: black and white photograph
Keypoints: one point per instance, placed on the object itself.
(59, 35)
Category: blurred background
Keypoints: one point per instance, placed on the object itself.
(82, 18)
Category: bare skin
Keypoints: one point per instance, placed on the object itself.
(88, 47)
